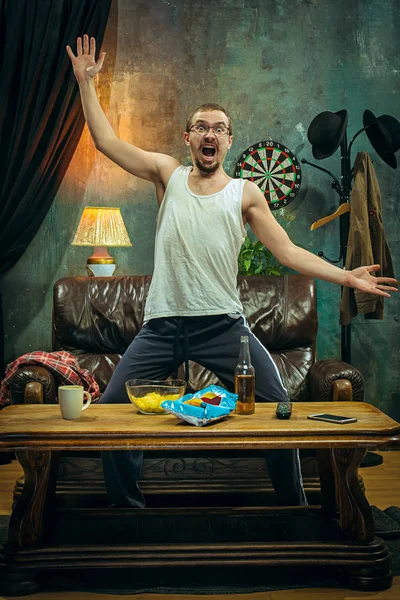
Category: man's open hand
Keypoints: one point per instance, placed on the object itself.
(360, 279)
(84, 64)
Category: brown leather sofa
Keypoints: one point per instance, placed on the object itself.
(97, 318)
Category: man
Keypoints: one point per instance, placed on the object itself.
(193, 310)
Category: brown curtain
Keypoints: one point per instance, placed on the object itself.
(41, 118)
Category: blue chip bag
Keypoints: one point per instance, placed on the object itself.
(208, 405)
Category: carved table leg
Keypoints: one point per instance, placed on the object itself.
(26, 522)
(357, 522)
(327, 480)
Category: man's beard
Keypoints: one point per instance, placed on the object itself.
(206, 168)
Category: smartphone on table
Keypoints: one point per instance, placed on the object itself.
(332, 418)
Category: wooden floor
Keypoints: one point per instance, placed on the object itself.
(382, 485)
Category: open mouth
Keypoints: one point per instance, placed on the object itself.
(208, 151)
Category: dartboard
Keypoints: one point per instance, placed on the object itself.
(274, 168)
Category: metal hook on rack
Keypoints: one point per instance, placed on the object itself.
(335, 184)
(339, 189)
(353, 138)
(322, 255)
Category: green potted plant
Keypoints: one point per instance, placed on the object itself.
(256, 259)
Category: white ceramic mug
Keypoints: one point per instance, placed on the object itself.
(70, 399)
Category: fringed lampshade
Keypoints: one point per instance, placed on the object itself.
(101, 227)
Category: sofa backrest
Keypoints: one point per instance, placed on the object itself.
(96, 318)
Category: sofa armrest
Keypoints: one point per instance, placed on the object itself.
(32, 384)
(335, 380)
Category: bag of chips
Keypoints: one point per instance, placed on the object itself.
(208, 405)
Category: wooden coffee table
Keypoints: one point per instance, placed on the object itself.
(339, 532)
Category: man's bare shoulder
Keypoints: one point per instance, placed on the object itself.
(166, 165)
(252, 196)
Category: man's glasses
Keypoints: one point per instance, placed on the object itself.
(201, 129)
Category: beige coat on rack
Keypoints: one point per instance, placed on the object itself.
(367, 243)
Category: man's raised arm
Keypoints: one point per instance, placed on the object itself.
(147, 165)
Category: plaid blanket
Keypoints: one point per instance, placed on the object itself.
(61, 364)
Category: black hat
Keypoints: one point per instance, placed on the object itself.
(384, 134)
(326, 132)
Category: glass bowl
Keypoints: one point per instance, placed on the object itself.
(148, 395)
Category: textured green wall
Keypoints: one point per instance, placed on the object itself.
(274, 65)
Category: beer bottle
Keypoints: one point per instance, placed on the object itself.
(245, 380)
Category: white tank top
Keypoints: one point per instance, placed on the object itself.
(198, 239)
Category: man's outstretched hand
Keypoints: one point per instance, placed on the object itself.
(360, 279)
(84, 64)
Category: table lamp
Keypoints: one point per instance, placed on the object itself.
(101, 227)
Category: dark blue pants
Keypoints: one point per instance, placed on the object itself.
(213, 342)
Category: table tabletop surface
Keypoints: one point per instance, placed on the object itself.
(121, 426)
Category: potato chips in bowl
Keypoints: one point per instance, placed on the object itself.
(148, 395)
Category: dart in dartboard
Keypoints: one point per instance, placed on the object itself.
(274, 168)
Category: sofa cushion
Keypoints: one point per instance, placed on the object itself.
(98, 314)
